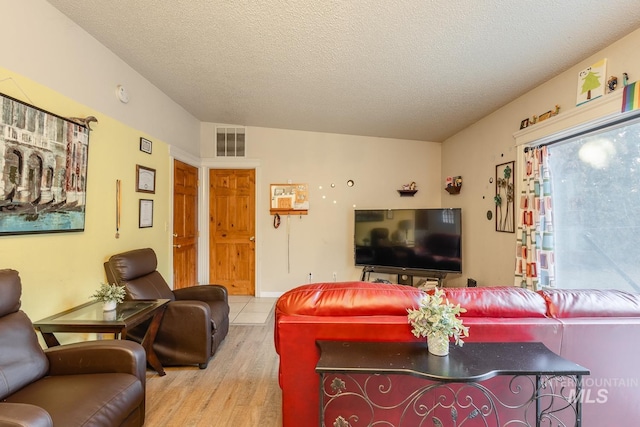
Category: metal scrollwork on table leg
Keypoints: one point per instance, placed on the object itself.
(371, 400)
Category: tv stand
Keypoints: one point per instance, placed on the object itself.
(404, 276)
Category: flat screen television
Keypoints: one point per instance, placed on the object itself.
(411, 241)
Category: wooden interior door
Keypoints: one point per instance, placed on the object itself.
(185, 225)
(232, 230)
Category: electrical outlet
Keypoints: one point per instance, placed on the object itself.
(335, 276)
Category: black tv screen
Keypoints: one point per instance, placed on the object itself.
(412, 240)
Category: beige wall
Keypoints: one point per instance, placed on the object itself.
(474, 153)
(42, 44)
(61, 270)
(55, 65)
(321, 243)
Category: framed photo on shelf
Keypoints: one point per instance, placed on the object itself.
(145, 179)
(145, 145)
(146, 213)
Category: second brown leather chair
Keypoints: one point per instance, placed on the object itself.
(196, 320)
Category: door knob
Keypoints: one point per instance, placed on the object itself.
(175, 234)
(177, 246)
(252, 238)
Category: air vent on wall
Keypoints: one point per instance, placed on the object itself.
(230, 142)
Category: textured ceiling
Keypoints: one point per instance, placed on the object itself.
(401, 69)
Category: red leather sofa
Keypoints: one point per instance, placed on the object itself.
(598, 329)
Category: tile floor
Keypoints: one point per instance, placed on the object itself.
(249, 310)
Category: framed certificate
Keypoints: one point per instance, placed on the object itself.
(145, 179)
(145, 145)
(146, 213)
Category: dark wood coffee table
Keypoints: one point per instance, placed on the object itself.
(363, 375)
(89, 318)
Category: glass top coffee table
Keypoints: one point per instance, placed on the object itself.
(90, 318)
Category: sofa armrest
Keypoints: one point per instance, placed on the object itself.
(202, 293)
(23, 415)
(188, 323)
(190, 316)
(92, 357)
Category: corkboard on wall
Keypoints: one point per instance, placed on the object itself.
(289, 199)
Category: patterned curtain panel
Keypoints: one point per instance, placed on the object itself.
(534, 251)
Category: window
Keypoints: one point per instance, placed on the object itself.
(595, 182)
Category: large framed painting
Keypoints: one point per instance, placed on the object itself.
(43, 161)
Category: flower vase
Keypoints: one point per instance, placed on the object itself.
(109, 305)
(109, 315)
(438, 344)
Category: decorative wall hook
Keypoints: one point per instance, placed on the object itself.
(84, 121)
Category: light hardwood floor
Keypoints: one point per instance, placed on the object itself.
(238, 388)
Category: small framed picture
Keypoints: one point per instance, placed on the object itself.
(145, 179)
(524, 123)
(146, 213)
(145, 145)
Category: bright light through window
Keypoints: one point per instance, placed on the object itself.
(596, 212)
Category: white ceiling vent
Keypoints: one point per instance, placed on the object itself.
(230, 142)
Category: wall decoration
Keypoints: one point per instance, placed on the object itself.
(549, 114)
(146, 145)
(505, 215)
(84, 121)
(146, 213)
(453, 184)
(544, 116)
(591, 82)
(631, 97)
(289, 199)
(612, 84)
(145, 179)
(43, 164)
(118, 206)
(408, 190)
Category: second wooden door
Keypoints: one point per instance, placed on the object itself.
(232, 229)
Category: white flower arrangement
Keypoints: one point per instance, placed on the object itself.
(109, 293)
(436, 315)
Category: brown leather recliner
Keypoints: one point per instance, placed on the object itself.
(92, 383)
(196, 320)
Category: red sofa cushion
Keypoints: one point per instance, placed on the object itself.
(567, 303)
(498, 301)
(348, 299)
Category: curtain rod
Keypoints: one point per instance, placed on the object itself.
(586, 129)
